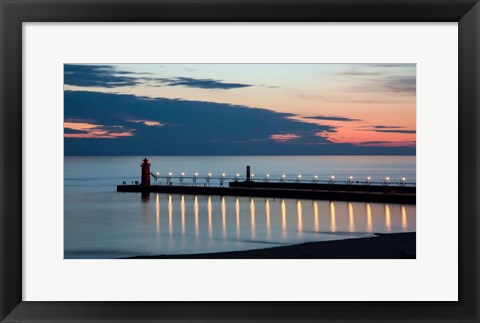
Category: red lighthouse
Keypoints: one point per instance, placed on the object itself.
(145, 172)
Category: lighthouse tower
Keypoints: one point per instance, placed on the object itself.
(145, 172)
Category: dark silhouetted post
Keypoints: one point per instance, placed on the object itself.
(145, 172)
(249, 178)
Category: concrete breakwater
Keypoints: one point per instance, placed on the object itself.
(366, 188)
(349, 191)
(356, 193)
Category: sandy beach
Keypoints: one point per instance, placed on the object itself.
(382, 246)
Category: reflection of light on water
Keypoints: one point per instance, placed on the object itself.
(145, 197)
(333, 220)
(155, 238)
(267, 216)
(209, 207)
(299, 216)
(339, 222)
(388, 220)
(157, 213)
(170, 215)
(182, 207)
(195, 207)
(252, 216)
(315, 216)
(369, 218)
(404, 218)
(237, 216)
(224, 218)
(146, 216)
(284, 219)
(351, 222)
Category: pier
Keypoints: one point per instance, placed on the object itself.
(349, 189)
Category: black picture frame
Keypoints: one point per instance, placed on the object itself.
(14, 12)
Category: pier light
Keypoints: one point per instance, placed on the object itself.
(181, 178)
(368, 180)
(170, 174)
(267, 177)
(194, 179)
(158, 174)
(222, 179)
(236, 177)
(350, 178)
(403, 181)
(208, 179)
(283, 178)
(332, 179)
(387, 179)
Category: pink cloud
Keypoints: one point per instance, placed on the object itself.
(148, 123)
(284, 137)
(322, 134)
(90, 130)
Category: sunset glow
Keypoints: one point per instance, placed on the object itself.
(88, 130)
(284, 137)
(360, 105)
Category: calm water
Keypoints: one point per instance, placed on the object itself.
(101, 223)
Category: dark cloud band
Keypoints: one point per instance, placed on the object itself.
(97, 76)
(333, 118)
(106, 76)
(200, 83)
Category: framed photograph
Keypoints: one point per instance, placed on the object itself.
(254, 161)
(232, 180)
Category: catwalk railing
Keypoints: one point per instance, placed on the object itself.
(210, 180)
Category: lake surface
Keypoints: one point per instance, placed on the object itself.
(101, 223)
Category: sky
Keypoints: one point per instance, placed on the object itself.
(240, 109)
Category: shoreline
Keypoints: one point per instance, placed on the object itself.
(381, 246)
